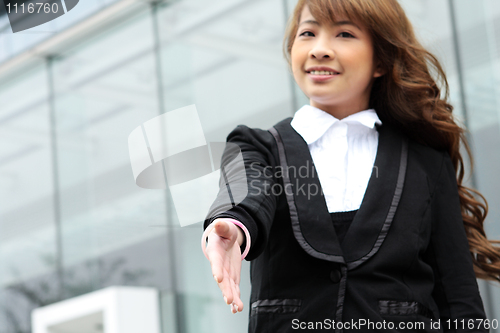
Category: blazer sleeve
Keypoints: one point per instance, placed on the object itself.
(456, 292)
(256, 211)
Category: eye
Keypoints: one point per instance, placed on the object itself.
(346, 34)
(307, 32)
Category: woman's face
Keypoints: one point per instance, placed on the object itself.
(333, 65)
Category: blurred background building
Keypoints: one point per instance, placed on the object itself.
(72, 220)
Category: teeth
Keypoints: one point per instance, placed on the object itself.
(322, 73)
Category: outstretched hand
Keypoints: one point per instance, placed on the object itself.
(223, 252)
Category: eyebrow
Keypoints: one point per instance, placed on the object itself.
(335, 24)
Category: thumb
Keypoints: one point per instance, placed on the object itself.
(223, 229)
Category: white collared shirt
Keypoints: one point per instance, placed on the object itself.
(343, 152)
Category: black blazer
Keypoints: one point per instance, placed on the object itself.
(405, 259)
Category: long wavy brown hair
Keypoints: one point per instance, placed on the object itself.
(409, 97)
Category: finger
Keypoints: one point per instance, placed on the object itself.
(227, 231)
(222, 229)
(234, 304)
(236, 269)
(235, 280)
(240, 304)
(225, 287)
(237, 303)
(216, 263)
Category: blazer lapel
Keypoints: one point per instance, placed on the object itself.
(309, 214)
(374, 217)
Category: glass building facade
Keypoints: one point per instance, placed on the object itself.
(72, 219)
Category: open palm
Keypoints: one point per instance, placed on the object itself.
(223, 252)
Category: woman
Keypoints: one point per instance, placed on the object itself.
(393, 240)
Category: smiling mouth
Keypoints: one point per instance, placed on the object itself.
(322, 73)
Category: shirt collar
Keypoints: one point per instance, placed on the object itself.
(311, 123)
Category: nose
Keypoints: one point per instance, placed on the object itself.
(322, 49)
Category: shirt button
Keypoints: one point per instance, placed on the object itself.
(335, 276)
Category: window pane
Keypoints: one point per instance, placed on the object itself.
(113, 231)
(27, 219)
